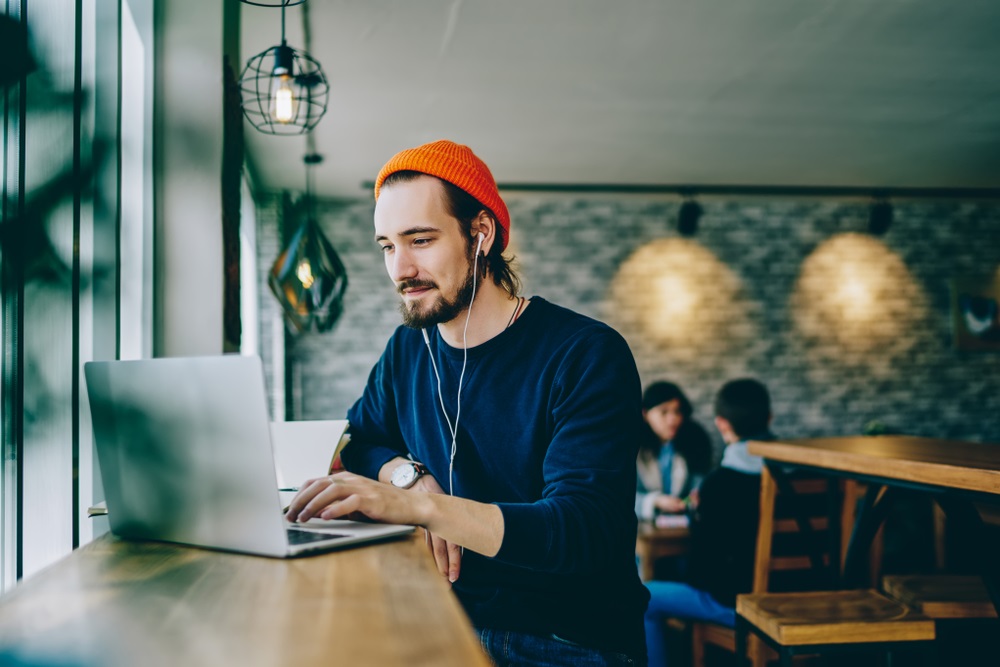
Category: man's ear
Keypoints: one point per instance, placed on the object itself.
(487, 226)
(725, 428)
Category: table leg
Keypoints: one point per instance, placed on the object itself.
(742, 630)
(874, 510)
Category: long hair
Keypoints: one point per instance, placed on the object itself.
(659, 393)
(465, 208)
(691, 440)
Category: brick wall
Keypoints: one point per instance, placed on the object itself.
(844, 328)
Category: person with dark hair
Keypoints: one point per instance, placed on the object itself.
(506, 427)
(674, 457)
(724, 525)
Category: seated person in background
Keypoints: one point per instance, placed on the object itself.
(676, 455)
(724, 527)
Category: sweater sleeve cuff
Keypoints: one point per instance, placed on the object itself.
(526, 533)
(649, 505)
(369, 462)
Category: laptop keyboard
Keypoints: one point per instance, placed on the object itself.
(296, 537)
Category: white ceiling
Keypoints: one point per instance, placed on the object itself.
(895, 93)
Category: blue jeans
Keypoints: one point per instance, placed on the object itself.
(672, 598)
(511, 649)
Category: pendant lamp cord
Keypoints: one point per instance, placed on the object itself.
(283, 23)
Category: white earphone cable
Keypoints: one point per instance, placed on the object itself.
(453, 429)
(427, 342)
(461, 376)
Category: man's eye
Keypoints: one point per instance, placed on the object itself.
(385, 248)
(421, 241)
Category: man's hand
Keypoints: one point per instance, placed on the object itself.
(447, 556)
(452, 522)
(342, 494)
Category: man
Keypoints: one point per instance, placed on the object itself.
(506, 427)
(724, 527)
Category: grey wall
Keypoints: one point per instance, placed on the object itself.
(845, 329)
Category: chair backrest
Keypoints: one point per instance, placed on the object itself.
(798, 548)
(799, 536)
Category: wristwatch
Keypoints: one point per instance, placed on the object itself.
(406, 474)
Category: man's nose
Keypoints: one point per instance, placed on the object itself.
(400, 266)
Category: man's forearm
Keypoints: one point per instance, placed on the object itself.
(473, 525)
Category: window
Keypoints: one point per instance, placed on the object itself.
(78, 284)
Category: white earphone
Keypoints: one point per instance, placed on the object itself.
(453, 429)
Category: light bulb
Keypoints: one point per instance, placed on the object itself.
(304, 273)
(283, 103)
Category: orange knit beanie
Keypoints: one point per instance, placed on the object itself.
(458, 165)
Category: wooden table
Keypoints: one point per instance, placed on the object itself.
(114, 603)
(957, 474)
(653, 543)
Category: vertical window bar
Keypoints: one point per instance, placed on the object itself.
(22, 157)
(78, 188)
(6, 457)
(12, 289)
(118, 193)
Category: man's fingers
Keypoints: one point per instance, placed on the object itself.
(440, 549)
(339, 508)
(302, 498)
(454, 561)
(317, 497)
(447, 556)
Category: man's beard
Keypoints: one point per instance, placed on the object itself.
(442, 310)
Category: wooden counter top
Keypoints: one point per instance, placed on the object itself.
(114, 603)
(969, 466)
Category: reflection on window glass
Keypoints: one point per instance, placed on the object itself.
(133, 306)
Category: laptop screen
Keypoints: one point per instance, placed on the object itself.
(185, 451)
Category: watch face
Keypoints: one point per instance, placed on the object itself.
(404, 475)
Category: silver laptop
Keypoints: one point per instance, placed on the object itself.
(185, 454)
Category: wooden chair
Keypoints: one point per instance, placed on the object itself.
(794, 623)
(704, 635)
(942, 596)
(947, 597)
(951, 598)
(782, 559)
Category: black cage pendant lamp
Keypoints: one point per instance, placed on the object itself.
(308, 278)
(273, 3)
(283, 90)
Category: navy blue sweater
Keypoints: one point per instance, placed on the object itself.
(549, 427)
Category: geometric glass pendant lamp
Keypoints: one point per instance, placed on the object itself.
(282, 90)
(308, 278)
